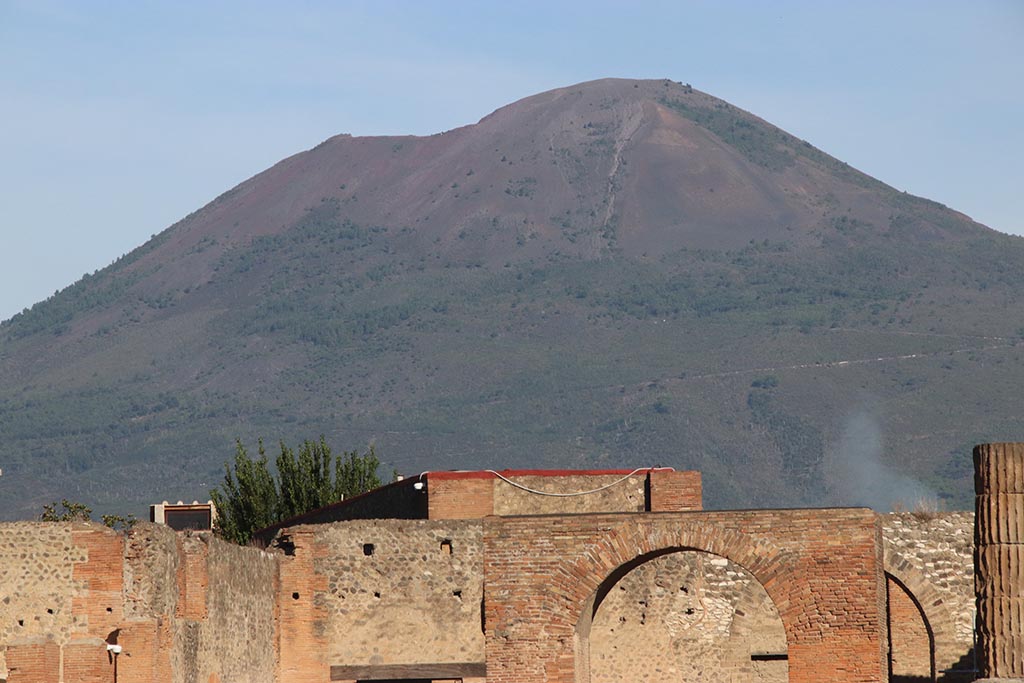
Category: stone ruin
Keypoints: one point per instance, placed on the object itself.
(524, 576)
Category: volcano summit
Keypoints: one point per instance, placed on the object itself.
(617, 273)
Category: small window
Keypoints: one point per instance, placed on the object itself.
(446, 546)
(368, 549)
(769, 657)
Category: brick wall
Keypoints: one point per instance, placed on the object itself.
(671, 491)
(152, 565)
(184, 608)
(147, 645)
(819, 567)
(86, 660)
(191, 577)
(473, 495)
(97, 604)
(453, 497)
(909, 641)
(33, 660)
(301, 617)
(624, 494)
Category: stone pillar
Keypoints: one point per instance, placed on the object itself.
(999, 559)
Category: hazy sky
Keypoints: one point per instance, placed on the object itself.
(118, 118)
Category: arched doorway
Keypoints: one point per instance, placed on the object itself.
(682, 615)
(911, 641)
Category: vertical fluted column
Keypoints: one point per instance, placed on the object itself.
(999, 559)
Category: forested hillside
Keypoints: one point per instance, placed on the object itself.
(614, 274)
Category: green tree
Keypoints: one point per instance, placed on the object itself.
(252, 497)
(355, 473)
(305, 481)
(249, 498)
(79, 512)
(72, 512)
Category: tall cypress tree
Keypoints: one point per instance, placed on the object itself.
(252, 497)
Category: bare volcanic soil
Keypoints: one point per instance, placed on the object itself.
(617, 273)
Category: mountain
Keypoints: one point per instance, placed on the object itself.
(619, 273)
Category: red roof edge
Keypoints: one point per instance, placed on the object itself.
(491, 474)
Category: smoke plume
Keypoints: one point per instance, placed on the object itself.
(857, 474)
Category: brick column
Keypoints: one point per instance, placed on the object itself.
(999, 559)
(301, 617)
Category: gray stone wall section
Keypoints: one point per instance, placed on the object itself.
(150, 571)
(687, 616)
(36, 584)
(235, 641)
(622, 496)
(402, 591)
(237, 636)
(932, 554)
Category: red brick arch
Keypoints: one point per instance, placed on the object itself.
(593, 604)
(631, 546)
(543, 576)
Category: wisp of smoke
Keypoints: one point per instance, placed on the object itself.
(857, 474)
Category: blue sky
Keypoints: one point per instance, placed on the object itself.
(121, 117)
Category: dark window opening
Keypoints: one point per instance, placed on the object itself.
(769, 657)
(189, 518)
(368, 549)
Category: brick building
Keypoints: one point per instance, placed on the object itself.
(518, 576)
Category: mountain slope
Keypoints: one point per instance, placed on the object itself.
(615, 273)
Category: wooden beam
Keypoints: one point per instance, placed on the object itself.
(381, 672)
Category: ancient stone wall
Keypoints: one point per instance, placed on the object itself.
(406, 597)
(689, 616)
(821, 569)
(401, 592)
(179, 612)
(60, 599)
(622, 494)
(469, 495)
(931, 558)
(234, 640)
(36, 585)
